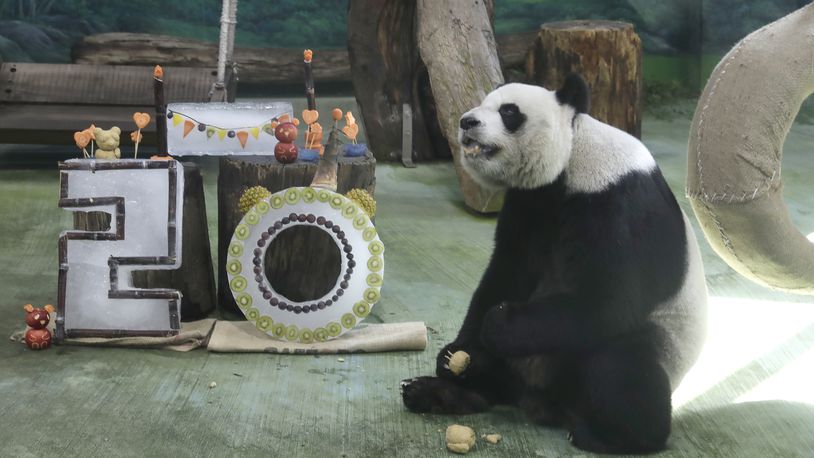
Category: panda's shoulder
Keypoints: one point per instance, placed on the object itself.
(602, 155)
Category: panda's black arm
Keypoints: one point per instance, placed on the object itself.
(555, 323)
(490, 292)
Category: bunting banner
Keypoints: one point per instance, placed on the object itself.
(242, 133)
(223, 128)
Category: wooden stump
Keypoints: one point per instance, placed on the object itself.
(195, 278)
(458, 46)
(293, 252)
(607, 54)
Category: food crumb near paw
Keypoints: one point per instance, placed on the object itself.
(460, 439)
(458, 362)
(492, 438)
(212, 385)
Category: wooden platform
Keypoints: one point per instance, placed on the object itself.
(47, 103)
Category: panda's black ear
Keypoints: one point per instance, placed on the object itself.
(575, 92)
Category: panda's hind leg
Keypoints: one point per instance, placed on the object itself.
(441, 396)
(623, 401)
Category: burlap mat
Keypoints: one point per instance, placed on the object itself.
(192, 335)
(244, 337)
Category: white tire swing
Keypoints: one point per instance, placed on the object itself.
(735, 152)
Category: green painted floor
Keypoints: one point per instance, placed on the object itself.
(749, 395)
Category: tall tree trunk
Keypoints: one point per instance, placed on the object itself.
(457, 44)
(387, 72)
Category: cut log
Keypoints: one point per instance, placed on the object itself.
(513, 49)
(295, 253)
(256, 65)
(195, 278)
(47, 103)
(458, 47)
(607, 54)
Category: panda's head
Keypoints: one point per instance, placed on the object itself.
(520, 136)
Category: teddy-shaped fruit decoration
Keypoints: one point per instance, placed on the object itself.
(285, 129)
(107, 143)
(38, 337)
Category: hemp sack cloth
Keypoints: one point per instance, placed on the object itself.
(191, 336)
(244, 337)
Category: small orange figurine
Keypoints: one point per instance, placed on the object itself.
(38, 337)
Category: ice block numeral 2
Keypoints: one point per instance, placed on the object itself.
(97, 297)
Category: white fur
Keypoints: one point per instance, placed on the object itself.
(602, 154)
(593, 154)
(683, 316)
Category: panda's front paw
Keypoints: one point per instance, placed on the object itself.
(461, 361)
(496, 330)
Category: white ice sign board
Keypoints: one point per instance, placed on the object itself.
(218, 129)
(97, 297)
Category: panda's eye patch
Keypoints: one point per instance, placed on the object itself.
(508, 109)
(511, 116)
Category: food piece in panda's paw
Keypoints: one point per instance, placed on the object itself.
(460, 439)
(458, 361)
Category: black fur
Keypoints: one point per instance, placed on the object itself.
(575, 92)
(512, 117)
(558, 325)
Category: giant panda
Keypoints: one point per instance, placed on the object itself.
(592, 307)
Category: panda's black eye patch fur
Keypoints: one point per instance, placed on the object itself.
(512, 118)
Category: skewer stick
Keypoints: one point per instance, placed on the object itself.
(310, 94)
(160, 110)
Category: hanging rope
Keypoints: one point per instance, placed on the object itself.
(226, 47)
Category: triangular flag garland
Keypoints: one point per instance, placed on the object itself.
(188, 126)
(242, 136)
(241, 133)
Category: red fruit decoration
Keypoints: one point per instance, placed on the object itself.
(285, 129)
(38, 337)
(286, 132)
(285, 153)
